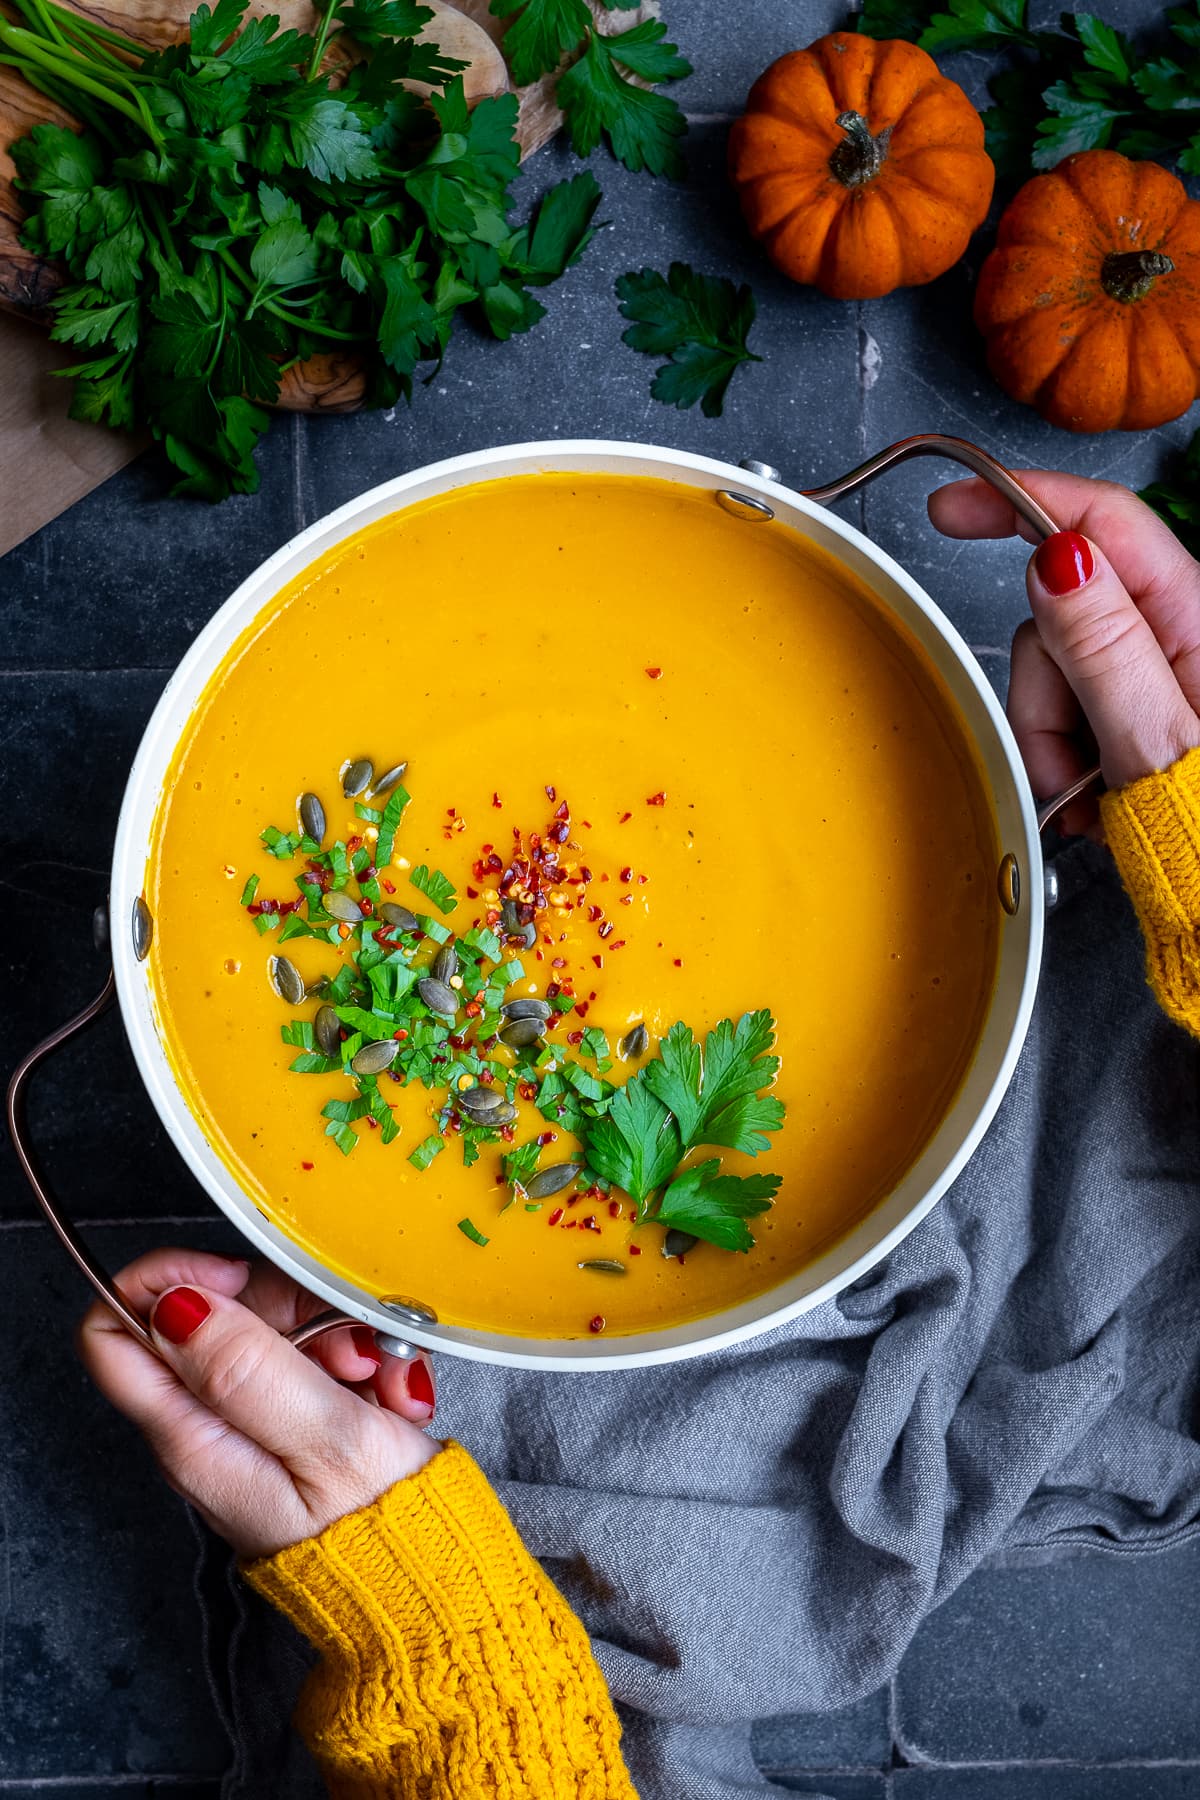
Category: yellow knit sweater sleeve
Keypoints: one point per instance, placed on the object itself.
(1153, 827)
(452, 1668)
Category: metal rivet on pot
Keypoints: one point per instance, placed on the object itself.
(100, 932)
(1050, 886)
(412, 1312)
(1008, 883)
(142, 925)
(764, 470)
(746, 507)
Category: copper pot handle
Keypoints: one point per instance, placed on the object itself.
(105, 1288)
(959, 450)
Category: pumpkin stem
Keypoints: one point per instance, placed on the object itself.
(1128, 275)
(859, 157)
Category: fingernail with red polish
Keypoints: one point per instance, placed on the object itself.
(1064, 563)
(363, 1339)
(420, 1385)
(180, 1313)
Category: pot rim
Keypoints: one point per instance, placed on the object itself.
(161, 737)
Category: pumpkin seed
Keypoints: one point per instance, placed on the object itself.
(678, 1243)
(510, 917)
(635, 1043)
(341, 906)
(522, 1032)
(399, 917)
(603, 1265)
(373, 1059)
(357, 778)
(503, 1115)
(437, 996)
(286, 979)
(327, 1029)
(526, 1009)
(482, 1102)
(389, 779)
(143, 929)
(526, 938)
(552, 1180)
(445, 964)
(312, 817)
(316, 990)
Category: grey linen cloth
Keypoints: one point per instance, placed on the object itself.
(762, 1531)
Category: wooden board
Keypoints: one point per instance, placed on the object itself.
(466, 30)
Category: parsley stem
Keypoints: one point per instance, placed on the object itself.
(319, 43)
(35, 50)
(318, 330)
(83, 27)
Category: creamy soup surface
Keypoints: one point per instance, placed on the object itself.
(769, 790)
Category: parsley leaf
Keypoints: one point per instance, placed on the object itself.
(434, 885)
(423, 1155)
(1177, 499)
(701, 322)
(541, 35)
(636, 1145)
(520, 1165)
(715, 1207)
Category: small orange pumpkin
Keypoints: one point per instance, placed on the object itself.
(1090, 301)
(860, 167)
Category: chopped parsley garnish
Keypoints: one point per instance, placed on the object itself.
(434, 885)
(468, 1230)
(382, 1017)
(700, 322)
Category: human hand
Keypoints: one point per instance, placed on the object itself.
(263, 1439)
(1109, 665)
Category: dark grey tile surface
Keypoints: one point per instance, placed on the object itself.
(101, 1688)
(858, 1736)
(1092, 1660)
(101, 1669)
(1048, 1781)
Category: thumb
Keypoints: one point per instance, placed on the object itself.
(1108, 653)
(240, 1368)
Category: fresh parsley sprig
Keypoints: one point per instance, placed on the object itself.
(688, 1097)
(1177, 498)
(1083, 87)
(226, 213)
(700, 322)
(596, 93)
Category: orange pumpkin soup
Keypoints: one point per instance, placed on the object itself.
(678, 768)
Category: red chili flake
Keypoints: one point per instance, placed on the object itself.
(564, 811)
(595, 912)
(574, 1037)
(516, 834)
(634, 1250)
(546, 1137)
(575, 1199)
(527, 1090)
(607, 929)
(570, 1224)
(597, 1324)
(614, 1209)
(585, 875)
(508, 1133)
(586, 823)
(626, 899)
(550, 794)
(400, 1035)
(452, 812)
(679, 962)
(617, 944)
(268, 906)
(553, 991)
(494, 863)
(599, 961)
(541, 955)
(654, 674)
(589, 1224)
(354, 843)
(581, 1007)
(659, 799)
(307, 1165)
(626, 874)
(642, 880)
(560, 833)
(372, 1123)
(496, 800)
(624, 818)
(254, 909)
(472, 893)
(389, 887)
(554, 1218)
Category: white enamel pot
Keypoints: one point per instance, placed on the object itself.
(752, 493)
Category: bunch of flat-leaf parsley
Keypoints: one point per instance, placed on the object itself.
(226, 212)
